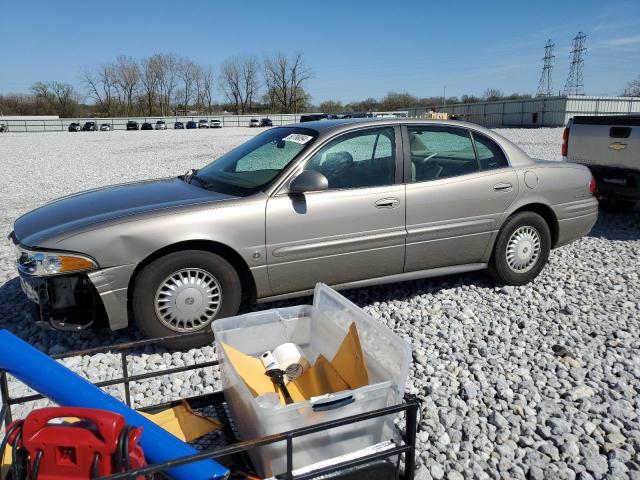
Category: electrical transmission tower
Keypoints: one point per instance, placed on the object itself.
(575, 84)
(545, 87)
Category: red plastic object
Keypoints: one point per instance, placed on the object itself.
(69, 449)
(565, 142)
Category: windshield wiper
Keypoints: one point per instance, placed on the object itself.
(189, 175)
(202, 181)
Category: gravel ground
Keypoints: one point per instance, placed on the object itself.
(539, 381)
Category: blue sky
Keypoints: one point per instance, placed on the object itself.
(356, 49)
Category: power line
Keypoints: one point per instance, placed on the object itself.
(575, 83)
(545, 87)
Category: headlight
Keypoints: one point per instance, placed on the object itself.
(52, 263)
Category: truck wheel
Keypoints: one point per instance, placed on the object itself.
(521, 250)
(184, 292)
(616, 205)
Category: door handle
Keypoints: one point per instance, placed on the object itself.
(503, 187)
(387, 203)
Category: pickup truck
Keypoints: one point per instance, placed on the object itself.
(610, 147)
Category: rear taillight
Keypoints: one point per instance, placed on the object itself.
(565, 141)
(593, 186)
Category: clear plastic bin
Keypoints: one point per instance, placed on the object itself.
(317, 329)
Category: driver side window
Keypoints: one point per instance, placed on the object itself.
(358, 160)
(440, 152)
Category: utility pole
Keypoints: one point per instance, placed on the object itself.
(545, 86)
(575, 84)
(444, 96)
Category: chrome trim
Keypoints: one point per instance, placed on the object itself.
(452, 227)
(342, 242)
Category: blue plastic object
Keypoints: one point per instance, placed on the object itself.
(68, 389)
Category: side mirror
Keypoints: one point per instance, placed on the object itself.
(308, 181)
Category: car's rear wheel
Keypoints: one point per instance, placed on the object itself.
(183, 292)
(521, 250)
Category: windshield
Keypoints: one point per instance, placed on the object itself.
(253, 165)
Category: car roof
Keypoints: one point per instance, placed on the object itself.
(327, 128)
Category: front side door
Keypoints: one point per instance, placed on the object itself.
(459, 184)
(354, 230)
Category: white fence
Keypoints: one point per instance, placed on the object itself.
(54, 124)
(537, 112)
(30, 124)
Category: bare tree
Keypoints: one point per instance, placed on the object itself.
(187, 74)
(239, 81)
(127, 80)
(207, 88)
(61, 97)
(284, 78)
(198, 88)
(632, 89)
(149, 80)
(102, 87)
(167, 67)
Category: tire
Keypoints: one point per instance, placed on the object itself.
(160, 312)
(522, 267)
(617, 205)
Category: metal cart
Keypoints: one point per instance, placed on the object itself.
(394, 461)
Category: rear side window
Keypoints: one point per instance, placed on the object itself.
(490, 155)
(440, 152)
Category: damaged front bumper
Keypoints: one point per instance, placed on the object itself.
(65, 302)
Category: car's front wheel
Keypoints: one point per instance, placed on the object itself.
(521, 250)
(183, 292)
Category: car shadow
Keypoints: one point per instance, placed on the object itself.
(15, 312)
(617, 226)
(396, 292)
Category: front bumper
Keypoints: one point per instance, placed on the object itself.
(64, 302)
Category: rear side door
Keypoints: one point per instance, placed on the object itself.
(355, 230)
(459, 184)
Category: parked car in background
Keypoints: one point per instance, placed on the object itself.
(346, 202)
(105, 127)
(610, 147)
(215, 123)
(178, 126)
(90, 127)
(266, 122)
(254, 122)
(161, 125)
(133, 125)
(75, 127)
(203, 124)
(4, 128)
(313, 117)
(146, 126)
(191, 124)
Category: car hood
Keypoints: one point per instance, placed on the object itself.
(81, 210)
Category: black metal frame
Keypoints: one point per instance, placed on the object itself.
(410, 406)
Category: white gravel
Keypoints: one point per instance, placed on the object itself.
(497, 401)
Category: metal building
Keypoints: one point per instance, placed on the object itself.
(536, 112)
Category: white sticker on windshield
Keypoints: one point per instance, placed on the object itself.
(298, 138)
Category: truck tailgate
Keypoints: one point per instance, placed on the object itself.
(605, 141)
